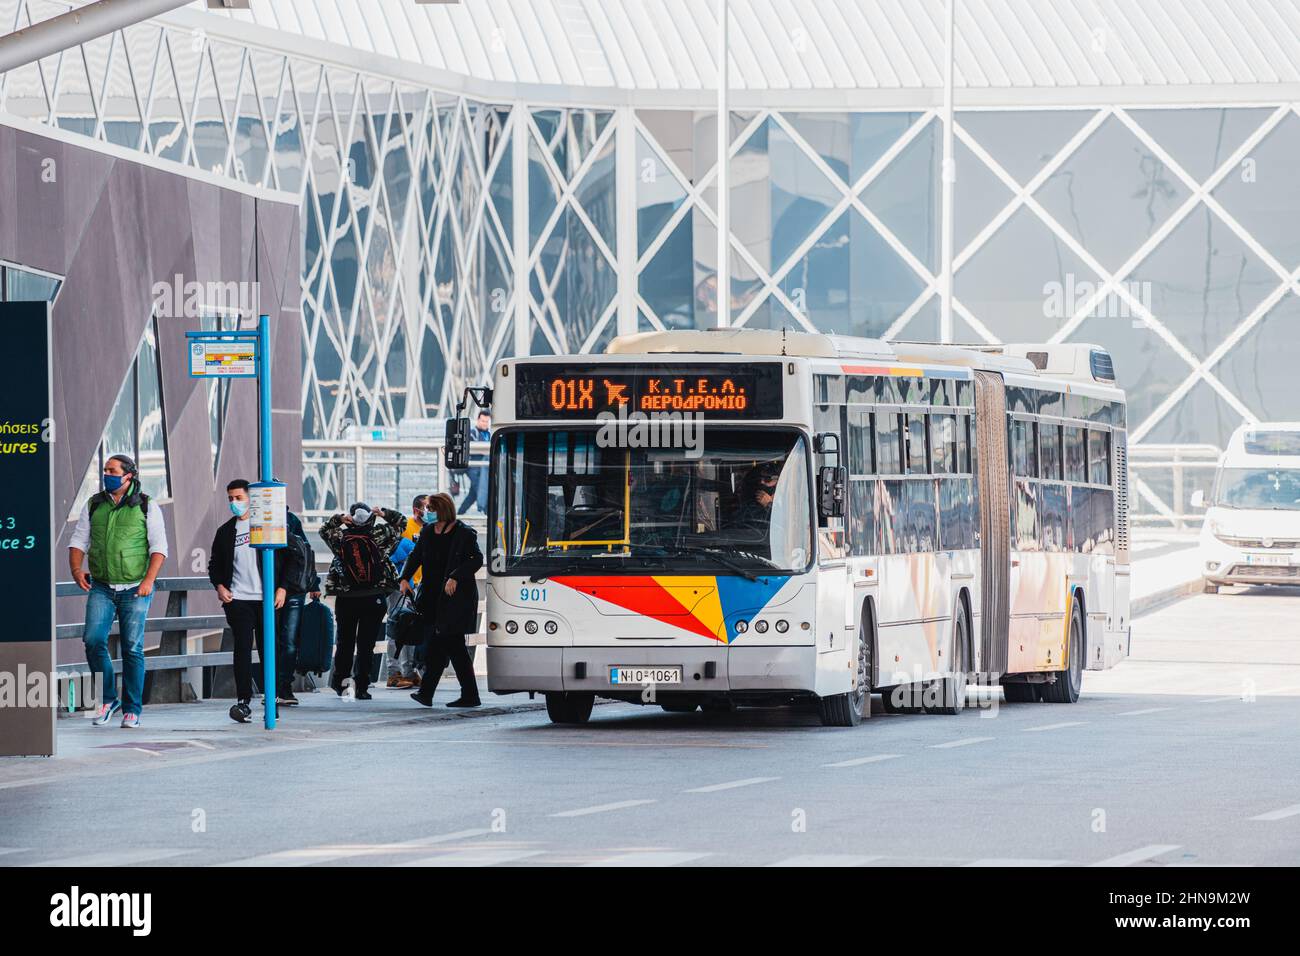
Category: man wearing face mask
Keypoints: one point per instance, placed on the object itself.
(235, 570)
(361, 577)
(122, 534)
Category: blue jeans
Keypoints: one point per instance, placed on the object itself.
(103, 605)
(286, 642)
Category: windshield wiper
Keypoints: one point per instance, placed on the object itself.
(576, 568)
(708, 552)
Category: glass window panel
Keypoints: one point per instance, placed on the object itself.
(860, 453)
(906, 195)
(956, 514)
(1052, 517)
(862, 516)
(1200, 140)
(1098, 457)
(943, 444)
(916, 445)
(658, 194)
(1112, 193)
(1076, 454)
(667, 282)
(1260, 370)
(23, 286)
(1267, 202)
(1023, 141)
(871, 135)
(889, 460)
(120, 433)
(963, 443)
(1049, 450)
(1024, 516)
(1024, 457)
(1023, 282)
(891, 516)
(922, 518)
(981, 197)
(152, 442)
(595, 194)
(1200, 305)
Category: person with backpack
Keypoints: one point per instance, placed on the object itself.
(235, 570)
(126, 543)
(448, 556)
(361, 576)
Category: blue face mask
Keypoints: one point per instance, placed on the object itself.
(429, 517)
(239, 508)
(113, 482)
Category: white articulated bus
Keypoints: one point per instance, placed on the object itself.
(712, 518)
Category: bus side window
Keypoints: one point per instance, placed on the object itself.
(1098, 457)
(916, 444)
(1024, 460)
(889, 456)
(1076, 454)
(1049, 444)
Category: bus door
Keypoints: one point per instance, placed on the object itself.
(994, 483)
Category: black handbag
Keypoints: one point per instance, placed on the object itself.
(407, 621)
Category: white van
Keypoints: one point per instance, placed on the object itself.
(1251, 533)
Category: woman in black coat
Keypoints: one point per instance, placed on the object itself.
(448, 556)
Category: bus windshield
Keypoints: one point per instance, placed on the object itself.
(738, 503)
(1269, 489)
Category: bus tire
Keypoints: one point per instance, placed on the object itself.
(1065, 689)
(949, 693)
(1020, 692)
(849, 709)
(680, 707)
(569, 707)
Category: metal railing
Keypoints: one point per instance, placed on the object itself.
(1163, 479)
(164, 669)
(387, 473)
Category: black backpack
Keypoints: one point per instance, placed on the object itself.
(360, 559)
(303, 563)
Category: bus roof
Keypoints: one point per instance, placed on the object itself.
(1077, 362)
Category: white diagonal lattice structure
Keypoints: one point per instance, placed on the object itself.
(536, 176)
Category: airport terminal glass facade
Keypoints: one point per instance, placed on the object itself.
(441, 232)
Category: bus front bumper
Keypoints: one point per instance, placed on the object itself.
(761, 668)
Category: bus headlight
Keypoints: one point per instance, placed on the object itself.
(760, 626)
(551, 627)
(782, 626)
(512, 627)
(742, 627)
(530, 627)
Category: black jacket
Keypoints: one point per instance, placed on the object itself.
(221, 560)
(457, 614)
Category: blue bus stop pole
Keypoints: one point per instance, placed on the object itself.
(268, 555)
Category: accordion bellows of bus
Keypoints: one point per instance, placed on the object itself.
(708, 519)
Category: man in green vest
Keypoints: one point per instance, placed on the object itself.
(121, 535)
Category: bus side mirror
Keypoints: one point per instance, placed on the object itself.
(830, 491)
(1198, 498)
(456, 449)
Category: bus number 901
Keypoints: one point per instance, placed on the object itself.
(532, 594)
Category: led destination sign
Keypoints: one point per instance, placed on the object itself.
(717, 391)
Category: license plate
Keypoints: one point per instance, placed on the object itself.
(645, 675)
(1273, 560)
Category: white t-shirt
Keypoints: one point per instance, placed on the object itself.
(246, 582)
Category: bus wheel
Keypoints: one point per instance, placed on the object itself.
(1065, 690)
(948, 694)
(680, 707)
(569, 707)
(1020, 692)
(848, 710)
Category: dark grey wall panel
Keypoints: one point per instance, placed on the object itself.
(113, 228)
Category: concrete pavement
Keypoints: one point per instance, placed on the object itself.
(1168, 760)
